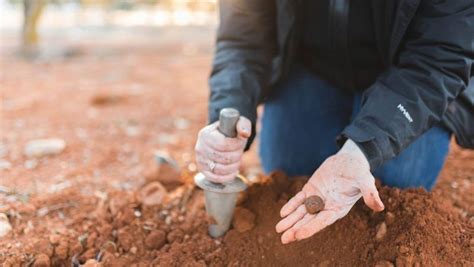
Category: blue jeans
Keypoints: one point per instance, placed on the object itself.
(305, 114)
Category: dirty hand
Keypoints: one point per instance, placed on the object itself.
(340, 181)
(218, 157)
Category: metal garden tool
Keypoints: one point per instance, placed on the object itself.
(221, 198)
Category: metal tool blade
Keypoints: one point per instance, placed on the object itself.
(221, 198)
(220, 202)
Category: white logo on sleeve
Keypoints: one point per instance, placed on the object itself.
(405, 112)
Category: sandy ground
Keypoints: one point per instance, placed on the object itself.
(158, 78)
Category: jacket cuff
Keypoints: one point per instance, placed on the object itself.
(371, 144)
(246, 111)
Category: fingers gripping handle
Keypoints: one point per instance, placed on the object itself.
(221, 198)
(228, 119)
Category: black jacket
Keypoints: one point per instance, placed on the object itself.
(427, 47)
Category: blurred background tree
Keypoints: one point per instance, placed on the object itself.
(32, 10)
(106, 13)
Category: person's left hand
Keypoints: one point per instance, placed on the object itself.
(340, 181)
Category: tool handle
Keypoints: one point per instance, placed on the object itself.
(228, 118)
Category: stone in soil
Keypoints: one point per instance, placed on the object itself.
(5, 164)
(155, 240)
(125, 239)
(91, 263)
(62, 250)
(45, 247)
(175, 235)
(381, 231)
(44, 147)
(54, 239)
(117, 203)
(389, 218)
(30, 164)
(107, 98)
(108, 259)
(5, 226)
(152, 194)
(42, 260)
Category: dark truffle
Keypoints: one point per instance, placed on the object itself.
(314, 204)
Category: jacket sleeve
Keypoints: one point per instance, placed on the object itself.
(432, 68)
(242, 61)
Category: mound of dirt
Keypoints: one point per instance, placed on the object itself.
(118, 230)
(418, 229)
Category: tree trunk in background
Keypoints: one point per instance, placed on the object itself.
(32, 12)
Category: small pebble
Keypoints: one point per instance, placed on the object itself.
(44, 147)
(5, 164)
(5, 226)
(137, 213)
(30, 164)
(168, 220)
(403, 249)
(155, 240)
(42, 260)
(152, 194)
(3, 150)
(181, 123)
(54, 239)
(454, 185)
(91, 263)
(381, 231)
(389, 218)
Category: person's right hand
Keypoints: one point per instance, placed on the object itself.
(218, 157)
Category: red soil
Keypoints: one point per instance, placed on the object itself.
(419, 229)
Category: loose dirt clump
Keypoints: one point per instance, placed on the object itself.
(152, 194)
(244, 220)
(416, 228)
(381, 231)
(155, 240)
(106, 99)
(42, 260)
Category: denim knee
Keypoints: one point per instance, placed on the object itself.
(420, 163)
